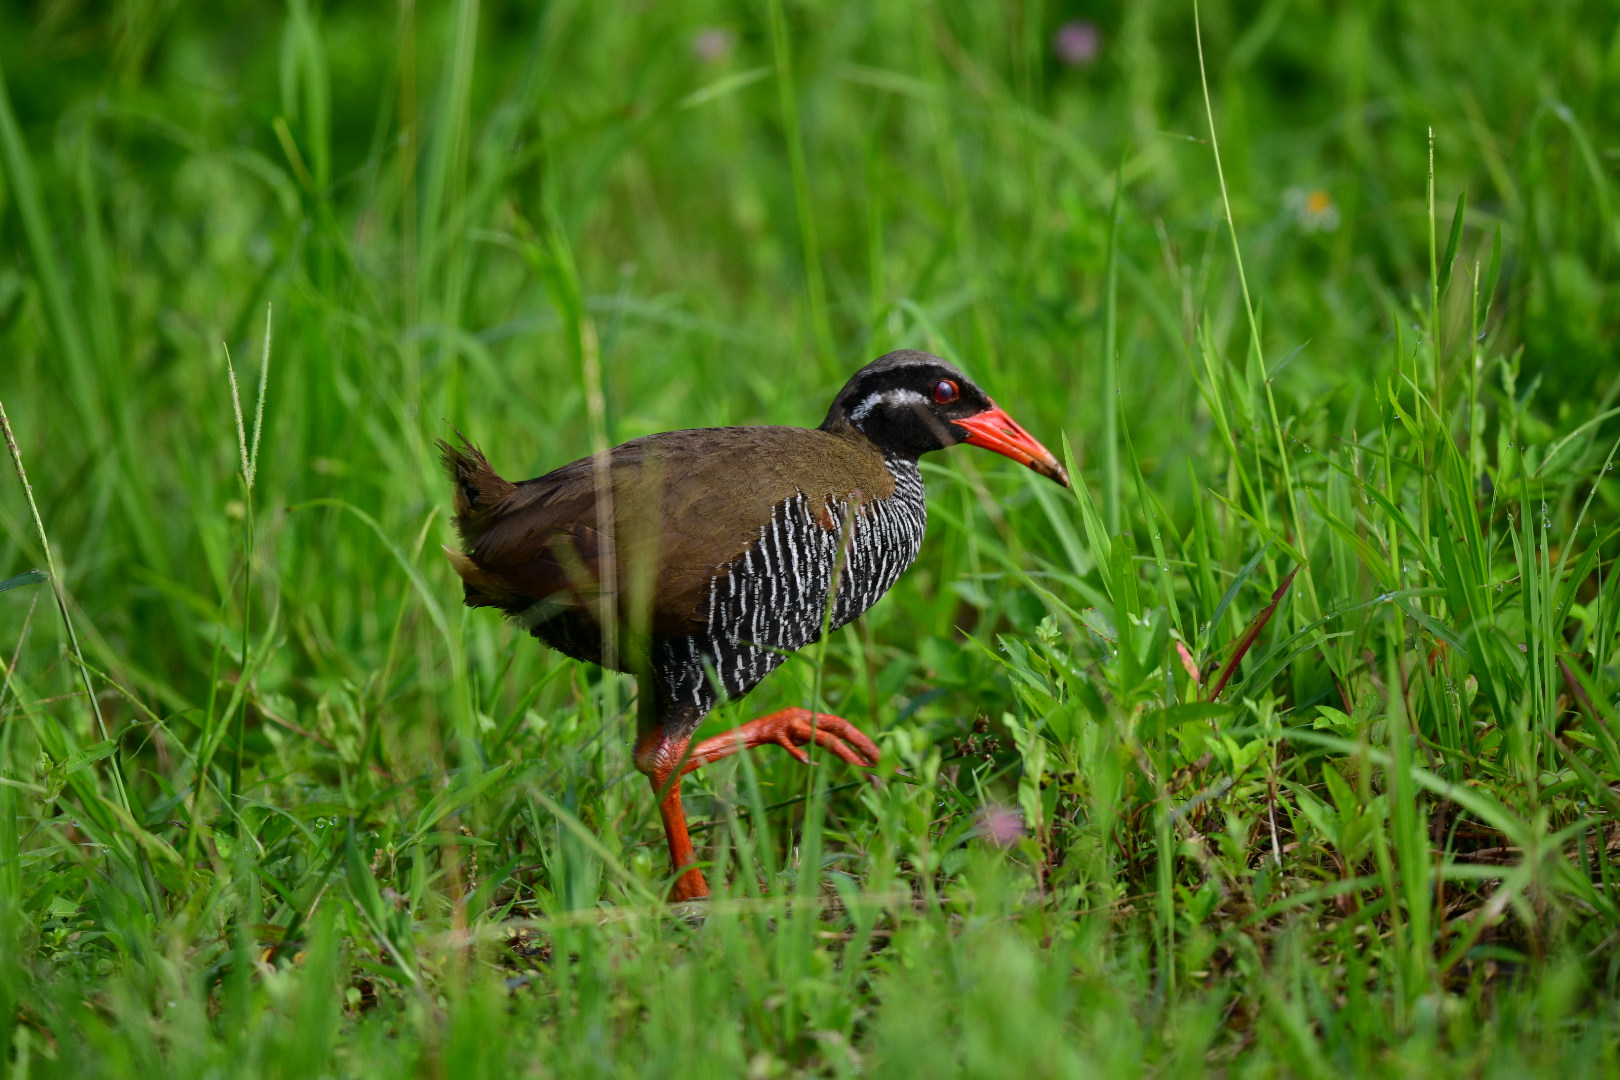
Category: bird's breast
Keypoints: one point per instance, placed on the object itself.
(816, 562)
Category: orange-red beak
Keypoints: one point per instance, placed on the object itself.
(994, 430)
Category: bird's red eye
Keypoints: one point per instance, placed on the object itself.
(945, 392)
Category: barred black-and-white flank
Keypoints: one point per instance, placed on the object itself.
(772, 599)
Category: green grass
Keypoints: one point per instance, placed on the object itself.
(318, 819)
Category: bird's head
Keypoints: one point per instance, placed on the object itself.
(910, 402)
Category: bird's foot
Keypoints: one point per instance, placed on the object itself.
(689, 888)
(792, 729)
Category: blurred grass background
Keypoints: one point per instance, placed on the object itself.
(319, 820)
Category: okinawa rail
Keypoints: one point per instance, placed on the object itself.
(728, 549)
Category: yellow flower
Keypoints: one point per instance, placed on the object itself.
(1314, 209)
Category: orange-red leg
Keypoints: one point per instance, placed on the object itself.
(790, 729)
(658, 758)
(690, 885)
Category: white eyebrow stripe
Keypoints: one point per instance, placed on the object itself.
(885, 397)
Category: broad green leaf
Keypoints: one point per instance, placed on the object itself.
(27, 577)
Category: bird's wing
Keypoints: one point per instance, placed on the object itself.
(685, 504)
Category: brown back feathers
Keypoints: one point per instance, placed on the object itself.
(684, 504)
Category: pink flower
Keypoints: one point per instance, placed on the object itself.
(1001, 825)
(1077, 42)
(1187, 663)
(711, 44)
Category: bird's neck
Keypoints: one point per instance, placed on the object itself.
(839, 424)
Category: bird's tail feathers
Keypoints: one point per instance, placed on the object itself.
(479, 491)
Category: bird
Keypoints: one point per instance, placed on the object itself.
(698, 560)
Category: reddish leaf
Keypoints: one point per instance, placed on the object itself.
(1250, 635)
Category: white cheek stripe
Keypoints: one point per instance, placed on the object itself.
(886, 397)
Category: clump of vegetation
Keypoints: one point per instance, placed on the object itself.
(1285, 744)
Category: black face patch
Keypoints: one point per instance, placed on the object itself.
(907, 401)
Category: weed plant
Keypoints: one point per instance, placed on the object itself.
(1285, 745)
